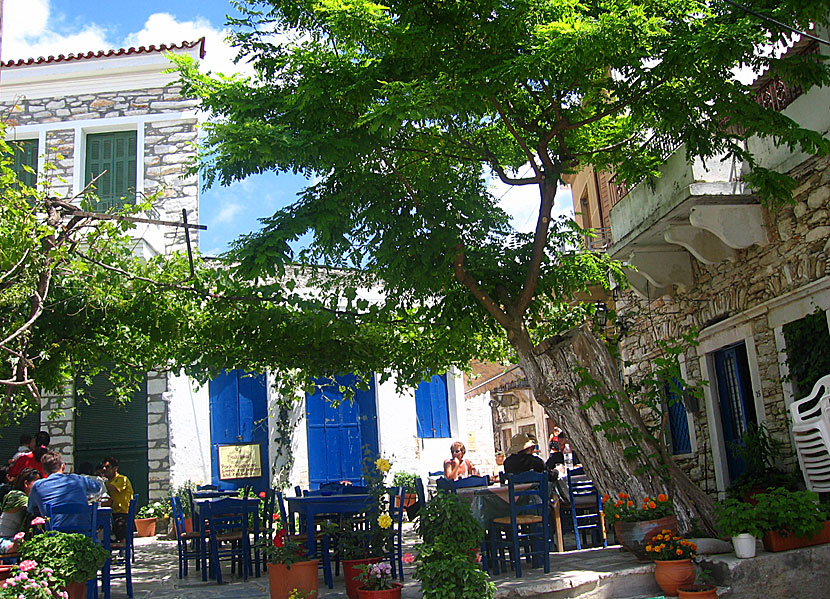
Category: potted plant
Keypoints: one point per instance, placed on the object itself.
(448, 559)
(407, 481)
(791, 519)
(672, 555)
(73, 558)
(376, 582)
(500, 457)
(633, 525)
(145, 521)
(362, 544)
(701, 589)
(182, 493)
(738, 520)
(760, 452)
(29, 580)
(290, 572)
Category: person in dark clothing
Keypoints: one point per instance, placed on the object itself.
(520, 456)
(6, 484)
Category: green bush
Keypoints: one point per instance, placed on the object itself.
(790, 512)
(735, 517)
(405, 480)
(446, 517)
(73, 557)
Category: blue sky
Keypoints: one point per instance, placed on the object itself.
(42, 27)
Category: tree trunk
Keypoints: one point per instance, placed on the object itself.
(551, 372)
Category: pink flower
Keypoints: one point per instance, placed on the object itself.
(27, 564)
(408, 558)
(478, 558)
(19, 536)
(38, 521)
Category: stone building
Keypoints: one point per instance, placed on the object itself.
(74, 116)
(754, 281)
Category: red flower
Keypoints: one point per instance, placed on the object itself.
(262, 495)
(278, 538)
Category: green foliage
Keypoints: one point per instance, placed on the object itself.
(284, 549)
(182, 493)
(808, 350)
(624, 509)
(72, 556)
(790, 512)
(451, 537)
(155, 509)
(405, 480)
(734, 517)
(760, 451)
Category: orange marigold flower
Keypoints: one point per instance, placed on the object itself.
(648, 547)
(662, 497)
(646, 499)
(657, 538)
(630, 503)
(675, 538)
(618, 516)
(606, 497)
(652, 505)
(693, 546)
(618, 503)
(666, 531)
(679, 552)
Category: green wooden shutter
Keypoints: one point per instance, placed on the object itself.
(25, 155)
(114, 153)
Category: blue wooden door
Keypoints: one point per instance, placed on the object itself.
(338, 436)
(239, 414)
(737, 410)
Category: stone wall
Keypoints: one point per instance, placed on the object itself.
(796, 255)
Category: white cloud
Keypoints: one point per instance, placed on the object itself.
(227, 214)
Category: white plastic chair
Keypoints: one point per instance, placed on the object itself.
(811, 433)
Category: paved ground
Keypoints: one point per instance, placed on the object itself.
(155, 576)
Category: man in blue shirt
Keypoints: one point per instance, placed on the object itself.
(61, 488)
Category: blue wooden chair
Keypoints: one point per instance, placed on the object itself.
(185, 538)
(124, 550)
(228, 537)
(586, 508)
(396, 497)
(526, 532)
(445, 484)
(81, 518)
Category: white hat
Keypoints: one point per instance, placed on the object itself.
(520, 442)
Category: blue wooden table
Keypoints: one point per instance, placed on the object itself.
(252, 507)
(310, 506)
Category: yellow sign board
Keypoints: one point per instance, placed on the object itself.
(239, 461)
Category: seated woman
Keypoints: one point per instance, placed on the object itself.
(458, 467)
(14, 517)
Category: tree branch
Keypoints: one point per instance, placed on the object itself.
(519, 139)
(464, 277)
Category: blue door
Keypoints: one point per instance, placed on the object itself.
(338, 437)
(737, 410)
(239, 415)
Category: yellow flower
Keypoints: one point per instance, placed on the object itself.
(648, 547)
(657, 538)
(382, 465)
(384, 521)
(679, 552)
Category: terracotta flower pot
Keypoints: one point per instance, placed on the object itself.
(673, 574)
(351, 573)
(774, 541)
(283, 579)
(145, 527)
(76, 590)
(698, 591)
(634, 536)
(393, 593)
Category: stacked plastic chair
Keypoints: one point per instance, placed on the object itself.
(811, 433)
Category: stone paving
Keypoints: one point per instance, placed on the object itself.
(592, 573)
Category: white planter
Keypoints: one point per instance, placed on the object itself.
(744, 545)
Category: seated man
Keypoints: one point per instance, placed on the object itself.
(121, 493)
(520, 456)
(61, 488)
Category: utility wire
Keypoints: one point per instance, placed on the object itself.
(778, 23)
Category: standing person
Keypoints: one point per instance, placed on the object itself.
(121, 493)
(457, 467)
(27, 444)
(61, 488)
(520, 456)
(553, 441)
(32, 459)
(13, 519)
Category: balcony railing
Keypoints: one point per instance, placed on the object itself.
(599, 241)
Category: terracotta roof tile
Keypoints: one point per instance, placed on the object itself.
(107, 53)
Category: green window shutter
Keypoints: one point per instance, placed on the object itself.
(25, 155)
(114, 153)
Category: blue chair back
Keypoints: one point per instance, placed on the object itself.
(178, 516)
(445, 484)
(396, 509)
(586, 506)
(532, 501)
(420, 491)
(74, 517)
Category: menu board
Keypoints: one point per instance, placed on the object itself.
(239, 461)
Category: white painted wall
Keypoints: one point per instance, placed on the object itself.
(189, 421)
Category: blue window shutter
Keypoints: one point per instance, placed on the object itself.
(678, 422)
(440, 406)
(423, 409)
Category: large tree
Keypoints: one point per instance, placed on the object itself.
(404, 112)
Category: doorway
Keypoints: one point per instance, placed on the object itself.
(737, 409)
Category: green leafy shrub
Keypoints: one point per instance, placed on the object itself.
(405, 480)
(760, 451)
(733, 517)
(73, 557)
(790, 512)
(446, 517)
(181, 492)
